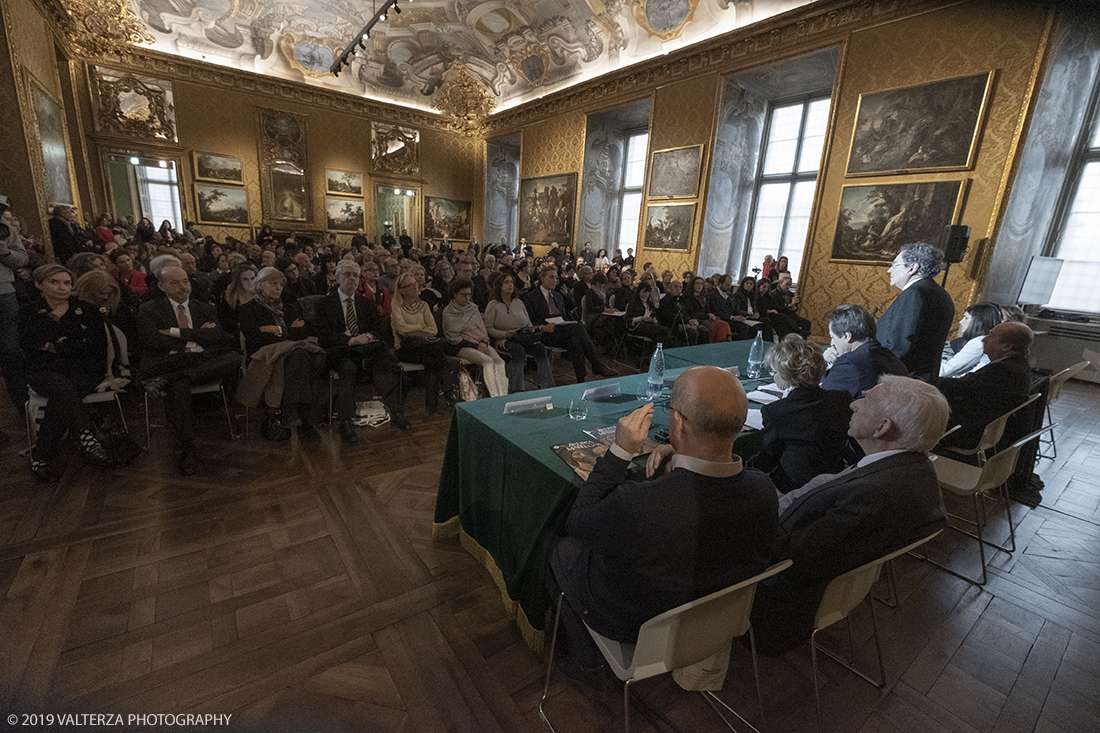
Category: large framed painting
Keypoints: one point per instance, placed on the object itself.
(674, 173)
(668, 226)
(546, 209)
(283, 166)
(218, 168)
(221, 204)
(49, 121)
(446, 218)
(876, 220)
(930, 127)
(344, 183)
(343, 215)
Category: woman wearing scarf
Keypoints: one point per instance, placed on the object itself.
(464, 329)
(415, 337)
(284, 369)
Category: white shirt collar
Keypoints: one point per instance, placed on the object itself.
(723, 469)
(175, 306)
(911, 282)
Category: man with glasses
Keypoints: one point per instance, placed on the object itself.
(916, 324)
(546, 305)
(350, 329)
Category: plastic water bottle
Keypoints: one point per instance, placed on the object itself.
(756, 357)
(656, 379)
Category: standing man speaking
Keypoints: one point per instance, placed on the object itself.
(916, 324)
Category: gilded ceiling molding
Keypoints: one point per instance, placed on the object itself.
(176, 68)
(95, 28)
(816, 25)
(465, 100)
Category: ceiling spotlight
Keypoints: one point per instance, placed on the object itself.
(382, 17)
(396, 9)
(134, 161)
(363, 45)
(397, 192)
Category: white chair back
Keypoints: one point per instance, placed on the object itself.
(995, 430)
(1058, 380)
(998, 468)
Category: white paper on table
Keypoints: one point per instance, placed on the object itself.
(754, 420)
(752, 323)
(766, 395)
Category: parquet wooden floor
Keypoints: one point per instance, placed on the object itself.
(301, 591)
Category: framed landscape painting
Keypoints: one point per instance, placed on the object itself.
(221, 204)
(446, 218)
(344, 183)
(343, 215)
(211, 167)
(668, 226)
(674, 173)
(876, 220)
(546, 209)
(930, 127)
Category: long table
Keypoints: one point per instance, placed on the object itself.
(505, 493)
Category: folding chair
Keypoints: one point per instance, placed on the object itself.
(1057, 381)
(678, 638)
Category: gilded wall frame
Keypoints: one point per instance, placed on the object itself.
(343, 183)
(669, 226)
(674, 172)
(284, 166)
(52, 157)
(664, 19)
(217, 168)
(134, 106)
(395, 149)
(875, 220)
(928, 127)
(221, 204)
(343, 214)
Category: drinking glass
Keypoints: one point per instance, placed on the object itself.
(578, 408)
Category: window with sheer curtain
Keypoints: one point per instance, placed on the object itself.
(1075, 240)
(633, 179)
(159, 193)
(785, 182)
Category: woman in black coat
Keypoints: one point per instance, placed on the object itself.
(64, 341)
(806, 432)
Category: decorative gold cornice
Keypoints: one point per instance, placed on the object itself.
(94, 28)
(465, 100)
(800, 29)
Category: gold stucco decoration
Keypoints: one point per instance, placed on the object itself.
(103, 27)
(465, 100)
(133, 106)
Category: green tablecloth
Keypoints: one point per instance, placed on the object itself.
(507, 492)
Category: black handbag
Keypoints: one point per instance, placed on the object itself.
(527, 336)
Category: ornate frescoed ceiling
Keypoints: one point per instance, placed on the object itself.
(517, 50)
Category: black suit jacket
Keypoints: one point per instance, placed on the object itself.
(331, 327)
(984, 395)
(634, 549)
(806, 433)
(851, 520)
(160, 349)
(253, 315)
(859, 369)
(915, 327)
(539, 309)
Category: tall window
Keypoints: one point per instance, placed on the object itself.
(159, 192)
(785, 182)
(633, 178)
(1075, 240)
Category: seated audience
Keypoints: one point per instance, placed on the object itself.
(14, 264)
(641, 315)
(465, 331)
(805, 432)
(508, 324)
(699, 303)
(836, 523)
(464, 270)
(284, 370)
(985, 394)
(122, 269)
(858, 359)
(184, 347)
(634, 549)
(781, 305)
(965, 354)
(722, 304)
(598, 316)
(416, 338)
(296, 285)
(352, 331)
(102, 290)
(680, 315)
(378, 296)
(543, 303)
(65, 358)
(241, 289)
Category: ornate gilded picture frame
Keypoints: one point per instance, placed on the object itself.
(344, 183)
(343, 215)
(546, 209)
(283, 166)
(53, 153)
(929, 127)
(674, 173)
(668, 227)
(664, 19)
(446, 218)
(395, 149)
(876, 220)
(217, 168)
(219, 204)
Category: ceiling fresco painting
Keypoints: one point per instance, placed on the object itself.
(517, 49)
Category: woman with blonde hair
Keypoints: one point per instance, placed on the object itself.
(805, 433)
(416, 337)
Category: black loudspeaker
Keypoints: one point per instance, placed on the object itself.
(955, 239)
